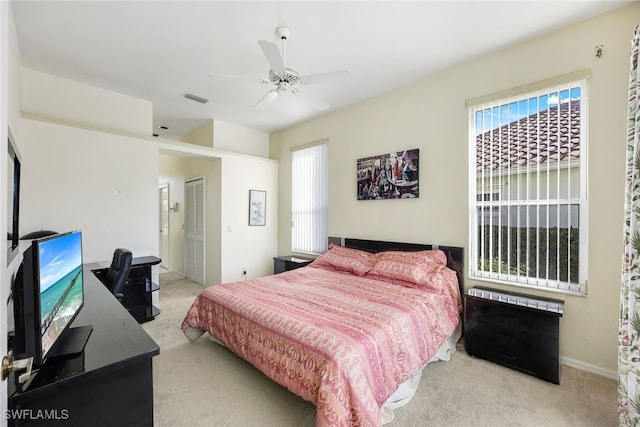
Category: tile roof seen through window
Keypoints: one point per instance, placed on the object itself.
(546, 136)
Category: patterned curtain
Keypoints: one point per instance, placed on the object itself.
(629, 334)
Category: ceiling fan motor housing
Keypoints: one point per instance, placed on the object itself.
(290, 79)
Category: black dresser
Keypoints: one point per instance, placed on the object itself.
(109, 384)
(515, 330)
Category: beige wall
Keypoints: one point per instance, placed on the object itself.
(115, 204)
(231, 244)
(244, 246)
(238, 162)
(228, 137)
(202, 135)
(238, 139)
(51, 97)
(78, 179)
(88, 163)
(431, 115)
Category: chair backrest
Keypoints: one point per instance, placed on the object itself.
(118, 272)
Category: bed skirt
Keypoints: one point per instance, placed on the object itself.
(405, 391)
(408, 389)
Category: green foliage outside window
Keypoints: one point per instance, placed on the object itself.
(554, 254)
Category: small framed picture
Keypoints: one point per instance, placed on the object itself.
(257, 207)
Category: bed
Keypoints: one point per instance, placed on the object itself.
(351, 332)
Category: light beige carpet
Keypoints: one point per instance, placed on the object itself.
(204, 384)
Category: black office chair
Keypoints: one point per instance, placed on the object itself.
(118, 273)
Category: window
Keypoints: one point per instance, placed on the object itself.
(309, 198)
(528, 188)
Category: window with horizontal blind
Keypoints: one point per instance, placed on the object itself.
(309, 195)
(528, 187)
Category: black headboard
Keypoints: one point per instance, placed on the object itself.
(380, 246)
(455, 254)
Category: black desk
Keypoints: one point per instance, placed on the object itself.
(139, 289)
(110, 383)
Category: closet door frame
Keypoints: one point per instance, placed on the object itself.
(194, 229)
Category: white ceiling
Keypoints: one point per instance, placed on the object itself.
(158, 50)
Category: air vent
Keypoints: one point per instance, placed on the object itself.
(196, 98)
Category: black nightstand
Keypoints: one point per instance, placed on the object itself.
(286, 263)
(515, 330)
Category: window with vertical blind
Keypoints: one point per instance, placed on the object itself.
(309, 206)
(528, 186)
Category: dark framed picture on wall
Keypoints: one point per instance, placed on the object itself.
(257, 207)
(388, 176)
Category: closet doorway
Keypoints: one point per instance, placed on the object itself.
(194, 213)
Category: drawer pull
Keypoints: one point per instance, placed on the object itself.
(508, 356)
(508, 316)
(504, 334)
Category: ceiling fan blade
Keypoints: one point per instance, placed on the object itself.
(332, 76)
(266, 100)
(237, 77)
(272, 53)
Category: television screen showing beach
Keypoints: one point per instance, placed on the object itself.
(61, 290)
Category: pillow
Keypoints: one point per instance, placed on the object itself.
(413, 267)
(442, 282)
(341, 258)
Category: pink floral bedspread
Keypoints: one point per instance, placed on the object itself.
(340, 341)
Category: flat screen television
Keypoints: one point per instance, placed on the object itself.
(48, 294)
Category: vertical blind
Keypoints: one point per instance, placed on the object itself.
(528, 189)
(309, 199)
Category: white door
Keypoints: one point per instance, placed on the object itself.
(194, 230)
(164, 225)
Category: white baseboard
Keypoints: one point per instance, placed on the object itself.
(578, 364)
(165, 270)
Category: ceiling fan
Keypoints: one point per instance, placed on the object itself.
(286, 79)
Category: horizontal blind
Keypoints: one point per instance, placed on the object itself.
(309, 196)
(528, 222)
